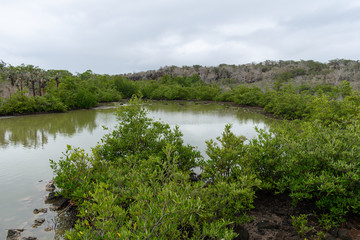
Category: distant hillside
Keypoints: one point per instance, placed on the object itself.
(264, 74)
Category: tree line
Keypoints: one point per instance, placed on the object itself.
(29, 89)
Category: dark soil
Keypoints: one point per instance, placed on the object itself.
(271, 219)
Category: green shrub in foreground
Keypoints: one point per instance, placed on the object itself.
(136, 185)
(314, 162)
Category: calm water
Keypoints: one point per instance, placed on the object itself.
(28, 142)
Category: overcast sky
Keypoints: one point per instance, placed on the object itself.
(118, 36)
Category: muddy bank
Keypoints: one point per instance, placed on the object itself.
(271, 219)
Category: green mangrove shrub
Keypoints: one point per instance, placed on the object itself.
(136, 184)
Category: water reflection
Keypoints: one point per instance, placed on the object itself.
(34, 131)
(186, 111)
(200, 122)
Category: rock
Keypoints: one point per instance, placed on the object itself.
(40, 210)
(266, 225)
(344, 234)
(61, 203)
(334, 232)
(281, 212)
(38, 222)
(294, 238)
(53, 208)
(195, 177)
(50, 187)
(286, 223)
(52, 197)
(329, 237)
(14, 234)
(48, 229)
(280, 236)
(29, 238)
(243, 233)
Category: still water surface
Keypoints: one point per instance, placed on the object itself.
(28, 142)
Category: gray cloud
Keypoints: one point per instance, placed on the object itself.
(125, 36)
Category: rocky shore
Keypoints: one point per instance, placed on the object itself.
(55, 202)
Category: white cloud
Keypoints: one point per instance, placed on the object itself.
(243, 29)
(124, 36)
(196, 47)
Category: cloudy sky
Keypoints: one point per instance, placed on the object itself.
(118, 36)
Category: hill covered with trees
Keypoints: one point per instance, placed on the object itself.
(265, 73)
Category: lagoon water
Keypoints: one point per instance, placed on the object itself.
(28, 142)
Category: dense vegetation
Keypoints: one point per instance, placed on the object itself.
(285, 86)
(29, 89)
(136, 183)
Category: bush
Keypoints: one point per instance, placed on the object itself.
(314, 162)
(126, 87)
(249, 96)
(205, 92)
(287, 104)
(18, 103)
(84, 99)
(136, 185)
(145, 137)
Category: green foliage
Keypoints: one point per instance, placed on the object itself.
(73, 174)
(84, 99)
(242, 95)
(313, 162)
(86, 75)
(327, 223)
(49, 103)
(205, 92)
(288, 75)
(262, 155)
(144, 136)
(61, 91)
(230, 177)
(18, 103)
(287, 103)
(179, 88)
(182, 81)
(21, 103)
(329, 110)
(300, 224)
(75, 93)
(225, 160)
(126, 87)
(327, 89)
(345, 88)
(315, 67)
(136, 185)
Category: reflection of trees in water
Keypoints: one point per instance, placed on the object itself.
(243, 115)
(34, 130)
